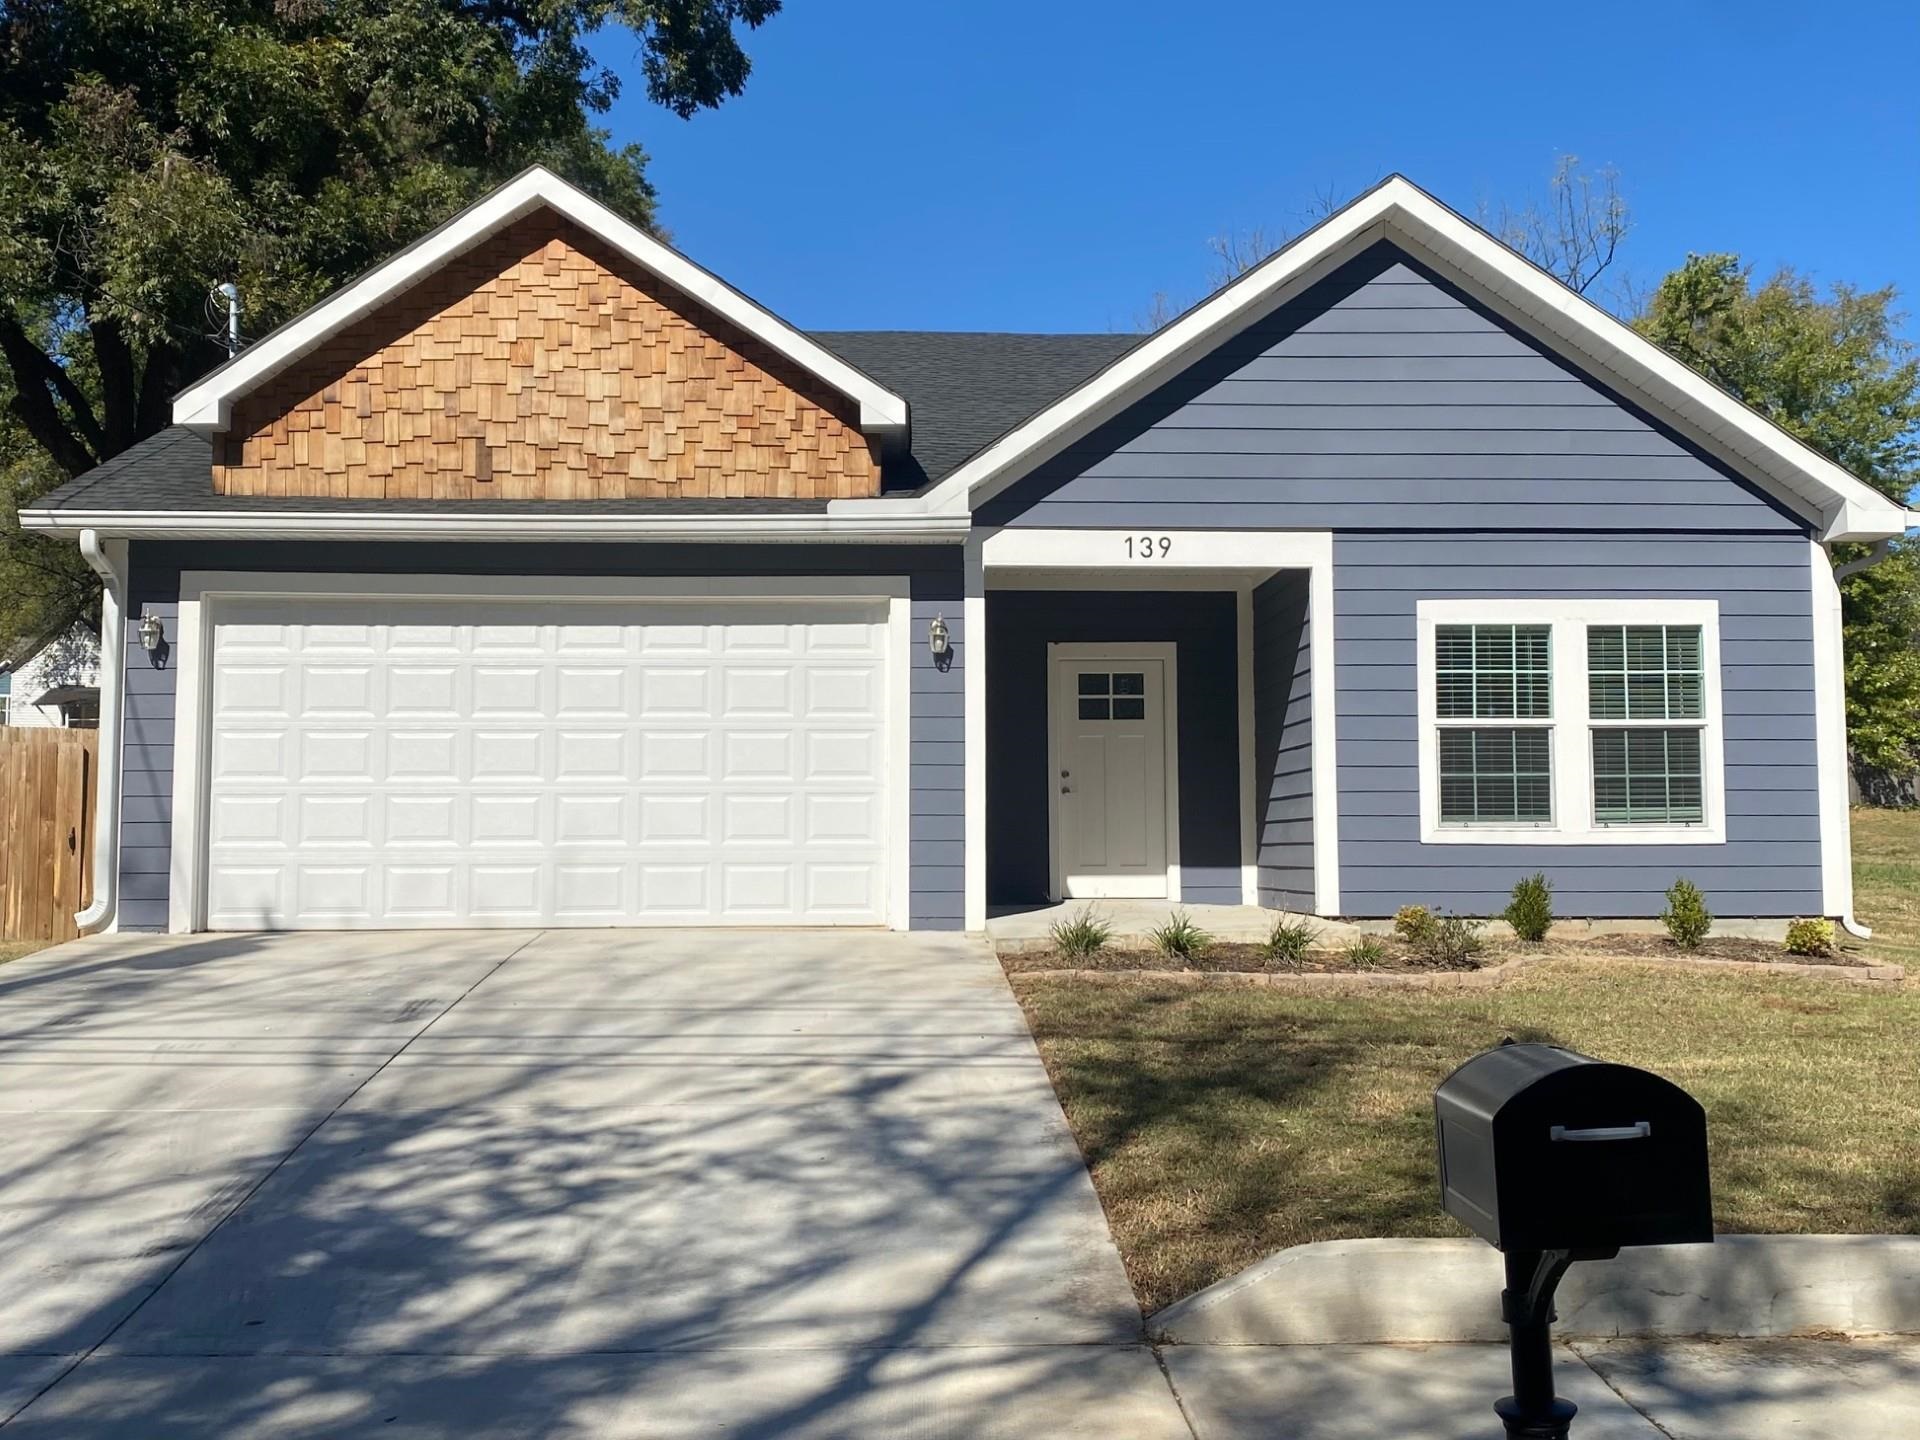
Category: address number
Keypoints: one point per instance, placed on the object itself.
(1149, 547)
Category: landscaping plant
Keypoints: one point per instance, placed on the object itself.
(1080, 935)
(1412, 922)
(1289, 939)
(1686, 917)
(1181, 938)
(1364, 952)
(1530, 910)
(1450, 941)
(1810, 937)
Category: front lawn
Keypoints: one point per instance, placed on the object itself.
(1223, 1124)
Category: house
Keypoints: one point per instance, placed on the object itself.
(540, 577)
(53, 680)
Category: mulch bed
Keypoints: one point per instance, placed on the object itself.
(1240, 958)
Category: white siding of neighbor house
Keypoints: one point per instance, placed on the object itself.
(70, 659)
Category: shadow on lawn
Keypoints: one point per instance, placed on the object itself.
(773, 1202)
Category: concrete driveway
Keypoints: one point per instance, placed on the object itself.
(661, 1184)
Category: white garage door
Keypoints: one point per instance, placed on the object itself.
(449, 763)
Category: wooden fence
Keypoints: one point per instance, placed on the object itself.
(46, 847)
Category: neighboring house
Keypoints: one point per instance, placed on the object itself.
(53, 680)
(540, 578)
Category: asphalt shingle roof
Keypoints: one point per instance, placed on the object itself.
(965, 390)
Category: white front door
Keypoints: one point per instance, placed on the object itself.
(427, 763)
(1111, 809)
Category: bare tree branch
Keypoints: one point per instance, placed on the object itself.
(1575, 234)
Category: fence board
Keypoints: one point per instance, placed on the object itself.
(46, 802)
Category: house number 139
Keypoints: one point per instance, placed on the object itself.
(1148, 547)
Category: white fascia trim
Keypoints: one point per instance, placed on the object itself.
(193, 647)
(1845, 507)
(814, 528)
(1572, 750)
(207, 406)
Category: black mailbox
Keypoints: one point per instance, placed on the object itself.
(1545, 1149)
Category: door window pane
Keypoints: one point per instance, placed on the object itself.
(1093, 707)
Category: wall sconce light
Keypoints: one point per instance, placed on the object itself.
(937, 639)
(152, 632)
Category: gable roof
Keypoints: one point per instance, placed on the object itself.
(206, 405)
(1509, 284)
(969, 388)
(966, 390)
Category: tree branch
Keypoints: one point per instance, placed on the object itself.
(33, 401)
(119, 400)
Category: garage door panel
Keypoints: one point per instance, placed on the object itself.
(416, 763)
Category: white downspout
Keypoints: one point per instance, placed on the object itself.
(106, 810)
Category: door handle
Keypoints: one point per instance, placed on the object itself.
(1066, 790)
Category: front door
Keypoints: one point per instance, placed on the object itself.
(1109, 751)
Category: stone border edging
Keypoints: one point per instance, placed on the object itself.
(1408, 1290)
(1486, 979)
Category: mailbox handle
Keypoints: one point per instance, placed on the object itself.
(1639, 1130)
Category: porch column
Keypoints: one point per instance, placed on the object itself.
(974, 682)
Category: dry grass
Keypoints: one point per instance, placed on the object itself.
(14, 949)
(1886, 882)
(1221, 1125)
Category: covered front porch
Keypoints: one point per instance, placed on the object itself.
(1148, 733)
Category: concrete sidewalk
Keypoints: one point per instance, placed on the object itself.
(1626, 1390)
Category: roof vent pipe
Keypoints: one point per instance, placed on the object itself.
(229, 292)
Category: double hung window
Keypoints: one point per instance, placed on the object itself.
(1559, 721)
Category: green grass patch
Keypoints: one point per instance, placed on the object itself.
(1224, 1124)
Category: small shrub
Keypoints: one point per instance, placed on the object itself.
(1364, 952)
(1810, 937)
(1289, 939)
(1686, 917)
(1181, 938)
(1530, 911)
(1081, 934)
(1412, 922)
(1450, 940)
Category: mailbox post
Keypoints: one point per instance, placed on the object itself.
(1552, 1157)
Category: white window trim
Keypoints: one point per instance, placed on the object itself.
(201, 592)
(1573, 822)
(1167, 654)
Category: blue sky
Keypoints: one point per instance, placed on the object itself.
(1051, 165)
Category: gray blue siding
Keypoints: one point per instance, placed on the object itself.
(1020, 626)
(1452, 456)
(1283, 741)
(1378, 392)
(1770, 864)
(936, 849)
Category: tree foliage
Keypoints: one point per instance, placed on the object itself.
(152, 149)
(1832, 369)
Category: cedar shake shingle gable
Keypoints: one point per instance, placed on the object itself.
(544, 365)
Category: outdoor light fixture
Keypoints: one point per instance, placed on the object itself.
(937, 640)
(152, 632)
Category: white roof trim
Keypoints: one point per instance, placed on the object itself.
(1844, 507)
(207, 406)
(904, 523)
